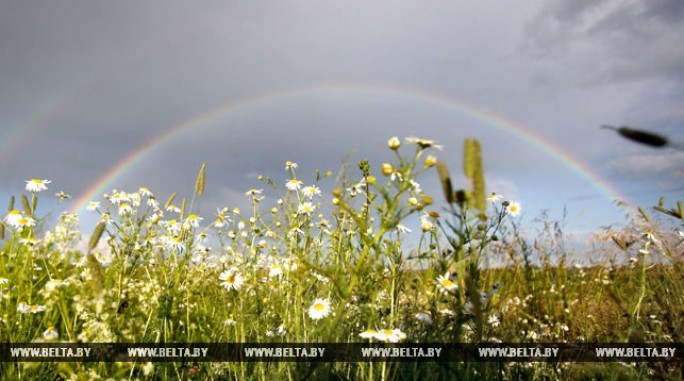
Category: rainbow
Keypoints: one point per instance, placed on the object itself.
(472, 111)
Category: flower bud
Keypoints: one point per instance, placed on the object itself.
(430, 161)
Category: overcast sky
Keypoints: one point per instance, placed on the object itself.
(87, 83)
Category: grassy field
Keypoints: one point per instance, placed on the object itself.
(304, 267)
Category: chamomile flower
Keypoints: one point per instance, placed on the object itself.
(23, 308)
(293, 184)
(311, 191)
(145, 192)
(51, 334)
(494, 198)
(173, 208)
(174, 243)
(92, 206)
(275, 270)
(13, 217)
(125, 208)
(153, 203)
(425, 224)
(32, 309)
(37, 185)
(513, 208)
(390, 335)
(319, 309)
(193, 220)
(290, 165)
(25, 222)
(446, 284)
(423, 143)
(369, 333)
(254, 193)
(119, 197)
(231, 279)
(62, 196)
(306, 208)
(402, 229)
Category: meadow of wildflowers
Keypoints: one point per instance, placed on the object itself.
(303, 266)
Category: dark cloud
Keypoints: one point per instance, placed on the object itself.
(611, 40)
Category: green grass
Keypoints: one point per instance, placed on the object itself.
(155, 272)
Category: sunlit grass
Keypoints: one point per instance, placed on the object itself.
(304, 266)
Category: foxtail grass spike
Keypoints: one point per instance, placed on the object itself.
(473, 171)
(199, 184)
(96, 271)
(640, 136)
(26, 204)
(96, 236)
(11, 204)
(2, 230)
(468, 158)
(170, 200)
(445, 179)
(182, 208)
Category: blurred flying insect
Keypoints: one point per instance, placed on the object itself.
(640, 136)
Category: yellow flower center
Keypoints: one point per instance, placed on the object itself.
(319, 306)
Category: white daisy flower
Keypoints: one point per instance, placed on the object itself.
(125, 208)
(319, 309)
(368, 334)
(25, 222)
(51, 334)
(275, 271)
(254, 192)
(193, 220)
(37, 185)
(12, 218)
(390, 335)
(513, 208)
(93, 205)
(294, 184)
(423, 143)
(494, 198)
(311, 191)
(231, 279)
(119, 197)
(446, 284)
(306, 208)
(402, 229)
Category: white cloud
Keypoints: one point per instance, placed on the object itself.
(650, 165)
